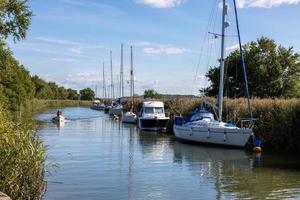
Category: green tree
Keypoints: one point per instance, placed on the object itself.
(152, 94)
(15, 19)
(87, 94)
(273, 71)
(72, 94)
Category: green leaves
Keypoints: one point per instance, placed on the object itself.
(273, 71)
(15, 19)
(87, 94)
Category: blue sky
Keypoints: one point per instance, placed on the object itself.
(69, 39)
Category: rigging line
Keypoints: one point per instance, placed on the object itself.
(205, 36)
(243, 63)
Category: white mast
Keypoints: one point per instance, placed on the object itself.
(221, 84)
(104, 84)
(112, 78)
(131, 77)
(122, 74)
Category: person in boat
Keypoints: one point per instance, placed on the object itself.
(58, 113)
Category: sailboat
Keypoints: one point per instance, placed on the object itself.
(117, 108)
(205, 127)
(130, 117)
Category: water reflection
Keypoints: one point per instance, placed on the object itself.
(237, 174)
(104, 159)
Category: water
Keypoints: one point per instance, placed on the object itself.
(94, 157)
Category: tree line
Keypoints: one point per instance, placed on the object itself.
(17, 85)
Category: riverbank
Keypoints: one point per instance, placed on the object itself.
(40, 104)
(277, 119)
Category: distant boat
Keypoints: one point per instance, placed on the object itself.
(152, 116)
(130, 117)
(97, 105)
(203, 126)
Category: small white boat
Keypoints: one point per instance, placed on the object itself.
(116, 110)
(152, 116)
(58, 119)
(97, 105)
(129, 117)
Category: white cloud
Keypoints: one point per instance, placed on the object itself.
(64, 59)
(56, 41)
(161, 3)
(164, 50)
(76, 50)
(265, 3)
(232, 48)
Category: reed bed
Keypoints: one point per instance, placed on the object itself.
(22, 158)
(39, 104)
(278, 120)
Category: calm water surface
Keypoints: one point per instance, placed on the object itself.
(94, 157)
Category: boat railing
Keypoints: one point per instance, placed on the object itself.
(246, 122)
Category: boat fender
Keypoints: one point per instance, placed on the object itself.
(225, 138)
(191, 131)
(257, 144)
(208, 135)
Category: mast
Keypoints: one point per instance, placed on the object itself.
(243, 63)
(104, 84)
(122, 74)
(112, 78)
(221, 84)
(131, 78)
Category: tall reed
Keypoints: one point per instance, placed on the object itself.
(22, 158)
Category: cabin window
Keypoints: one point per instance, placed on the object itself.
(148, 110)
(203, 116)
(158, 110)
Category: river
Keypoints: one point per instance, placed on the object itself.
(94, 157)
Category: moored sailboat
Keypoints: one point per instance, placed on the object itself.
(206, 127)
(130, 116)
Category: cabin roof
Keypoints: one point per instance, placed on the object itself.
(153, 104)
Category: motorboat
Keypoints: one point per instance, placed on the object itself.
(58, 119)
(129, 117)
(152, 116)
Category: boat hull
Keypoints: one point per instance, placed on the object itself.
(153, 124)
(58, 120)
(116, 111)
(129, 117)
(237, 137)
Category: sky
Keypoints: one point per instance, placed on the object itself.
(68, 40)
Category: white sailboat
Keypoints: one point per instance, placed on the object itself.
(203, 126)
(117, 108)
(130, 117)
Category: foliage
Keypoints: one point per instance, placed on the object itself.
(15, 19)
(152, 94)
(87, 94)
(273, 71)
(22, 158)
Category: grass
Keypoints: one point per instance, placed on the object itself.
(22, 158)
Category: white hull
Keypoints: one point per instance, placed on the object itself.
(129, 117)
(237, 137)
(59, 119)
(116, 111)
